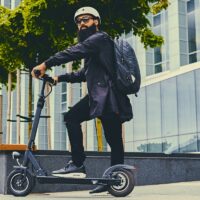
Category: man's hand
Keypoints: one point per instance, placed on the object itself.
(55, 78)
(42, 68)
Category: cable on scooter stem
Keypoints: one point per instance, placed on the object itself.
(47, 79)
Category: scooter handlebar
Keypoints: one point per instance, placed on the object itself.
(45, 77)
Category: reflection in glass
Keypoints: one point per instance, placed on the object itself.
(158, 68)
(190, 6)
(169, 107)
(197, 82)
(64, 107)
(139, 120)
(17, 2)
(198, 142)
(186, 103)
(193, 58)
(157, 55)
(154, 146)
(188, 143)
(153, 111)
(140, 146)
(64, 97)
(128, 127)
(64, 87)
(7, 3)
(156, 20)
(170, 145)
(191, 32)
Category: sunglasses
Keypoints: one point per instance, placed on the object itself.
(85, 20)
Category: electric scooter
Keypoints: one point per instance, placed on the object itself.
(119, 179)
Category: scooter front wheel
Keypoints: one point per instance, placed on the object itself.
(126, 185)
(20, 183)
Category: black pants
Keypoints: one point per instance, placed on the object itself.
(112, 130)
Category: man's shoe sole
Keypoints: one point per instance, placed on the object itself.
(71, 175)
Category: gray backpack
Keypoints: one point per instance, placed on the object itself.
(127, 78)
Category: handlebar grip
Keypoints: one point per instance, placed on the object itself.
(50, 80)
(37, 73)
(45, 77)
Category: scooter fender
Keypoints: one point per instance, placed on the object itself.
(118, 167)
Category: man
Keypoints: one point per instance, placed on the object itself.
(103, 100)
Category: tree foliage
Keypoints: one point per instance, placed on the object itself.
(38, 28)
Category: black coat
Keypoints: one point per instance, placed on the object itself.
(98, 53)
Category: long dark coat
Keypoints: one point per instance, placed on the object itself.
(98, 52)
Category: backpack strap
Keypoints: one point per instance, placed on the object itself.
(112, 76)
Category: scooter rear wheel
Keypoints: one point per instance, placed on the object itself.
(126, 185)
(20, 183)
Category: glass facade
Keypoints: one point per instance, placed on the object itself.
(157, 59)
(167, 115)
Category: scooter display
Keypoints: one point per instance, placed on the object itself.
(119, 179)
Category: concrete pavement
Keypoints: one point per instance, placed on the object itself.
(172, 191)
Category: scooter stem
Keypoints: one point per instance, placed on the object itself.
(40, 105)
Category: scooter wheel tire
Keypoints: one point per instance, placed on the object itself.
(126, 185)
(20, 183)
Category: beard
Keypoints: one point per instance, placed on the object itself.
(83, 34)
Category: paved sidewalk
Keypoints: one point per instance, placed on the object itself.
(173, 191)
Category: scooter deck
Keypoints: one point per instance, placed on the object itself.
(87, 181)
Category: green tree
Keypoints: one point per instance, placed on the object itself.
(6, 50)
(38, 28)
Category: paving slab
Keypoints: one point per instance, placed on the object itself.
(172, 191)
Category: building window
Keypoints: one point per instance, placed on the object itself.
(7, 3)
(17, 2)
(64, 96)
(193, 58)
(190, 6)
(157, 55)
(156, 20)
(192, 32)
(158, 68)
(159, 58)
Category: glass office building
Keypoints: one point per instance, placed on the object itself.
(167, 109)
(166, 113)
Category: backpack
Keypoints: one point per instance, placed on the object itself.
(127, 78)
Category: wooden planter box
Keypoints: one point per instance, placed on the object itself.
(14, 147)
